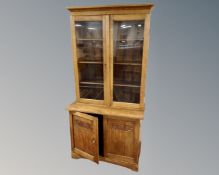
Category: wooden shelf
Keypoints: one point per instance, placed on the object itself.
(91, 82)
(84, 39)
(98, 87)
(129, 64)
(129, 47)
(86, 47)
(100, 62)
(126, 85)
(90, 62)
(129, 40)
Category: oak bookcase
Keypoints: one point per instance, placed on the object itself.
(110, 52)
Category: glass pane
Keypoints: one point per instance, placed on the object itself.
(90, 50)
(89, 44)
(91, 91)
(88, 29)
(126, 94)
(92, 73)
(127, 75)
(127, 54)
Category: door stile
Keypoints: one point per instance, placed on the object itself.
(111, 58)
(106, 51)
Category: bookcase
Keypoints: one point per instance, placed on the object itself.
(110, 52)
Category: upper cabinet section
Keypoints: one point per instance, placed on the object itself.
(110, 46)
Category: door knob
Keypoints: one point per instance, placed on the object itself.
(93, 141)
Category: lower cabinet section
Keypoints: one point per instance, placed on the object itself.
(108, 138)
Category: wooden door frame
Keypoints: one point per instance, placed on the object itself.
(105, 27)
(146, 18)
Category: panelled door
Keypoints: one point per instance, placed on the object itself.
(90, 59)
(128, 59)
(122, 139)
(85, 136)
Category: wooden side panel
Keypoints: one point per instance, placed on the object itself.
(145, 59)
(122, 140)
(74, 56)
(85, 129)
(71, 129)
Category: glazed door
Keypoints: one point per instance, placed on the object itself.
(128, 59)
(90, 61)
(85, 136)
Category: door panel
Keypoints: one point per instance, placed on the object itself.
(85, 129)
(89, 42)
(127, 48)
(89, 57)
(122, 139)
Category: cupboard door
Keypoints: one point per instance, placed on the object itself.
(88, 34)
(122, 140)
(128, 46)
(85, 136)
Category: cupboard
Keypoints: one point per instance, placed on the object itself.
(110, 51)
